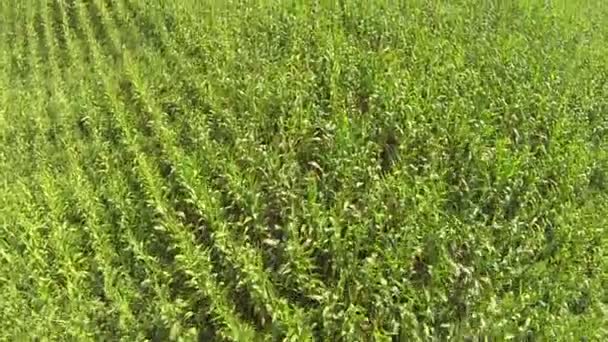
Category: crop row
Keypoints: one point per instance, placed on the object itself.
(288, 170)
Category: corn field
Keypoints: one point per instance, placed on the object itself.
(184, 170)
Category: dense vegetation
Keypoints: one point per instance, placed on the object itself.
(303, 170)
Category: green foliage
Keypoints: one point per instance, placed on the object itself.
(290, 170)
